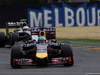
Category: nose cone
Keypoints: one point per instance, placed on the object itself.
(41, 55)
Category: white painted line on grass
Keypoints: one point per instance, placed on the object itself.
(92, 73)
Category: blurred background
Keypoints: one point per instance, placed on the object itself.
(43, 1)
(14, 10)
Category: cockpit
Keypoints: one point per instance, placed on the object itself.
(42, 41)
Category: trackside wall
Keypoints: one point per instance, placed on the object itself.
(92, 32)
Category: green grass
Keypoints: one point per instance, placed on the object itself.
(81, 40)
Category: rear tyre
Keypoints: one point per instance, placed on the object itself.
(16, 53)
(14, 37)
(2, 39)
(67, 52)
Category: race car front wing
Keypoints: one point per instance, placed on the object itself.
(60, 60)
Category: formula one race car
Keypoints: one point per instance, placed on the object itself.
(41, 52)
(24, 33)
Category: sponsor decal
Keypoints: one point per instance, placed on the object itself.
(64, 16)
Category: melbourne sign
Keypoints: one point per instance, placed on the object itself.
(64, 16)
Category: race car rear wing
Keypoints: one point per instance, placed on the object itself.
(13, 25)
(50, 32)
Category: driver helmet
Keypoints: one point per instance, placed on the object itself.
(42, 40)
(25, 27)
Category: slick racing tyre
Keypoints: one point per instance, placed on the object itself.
(67, 52)
(2, 39)
(14, 38)
(16, 53)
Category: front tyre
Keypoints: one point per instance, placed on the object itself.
(70, 63)
(15, 54)
(67, 52)
(2, 39)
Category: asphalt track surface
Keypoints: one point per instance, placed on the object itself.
(86, 62)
